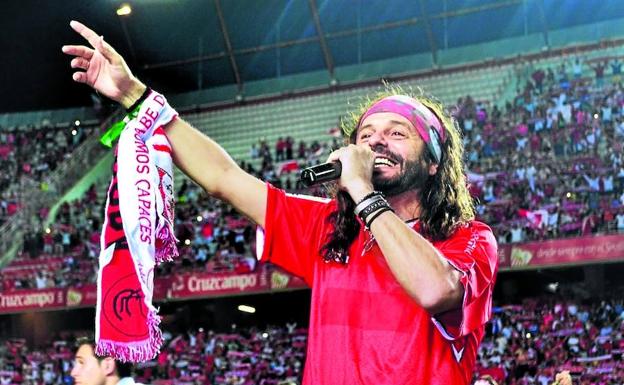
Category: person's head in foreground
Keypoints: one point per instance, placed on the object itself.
(90, 369)
(485, 380)
(419, 157)
(563, 378)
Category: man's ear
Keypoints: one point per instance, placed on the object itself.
(433, 168)
(108, 366)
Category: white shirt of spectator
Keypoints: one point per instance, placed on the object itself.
(543, 379)
(620, 221)
(40, 282)
(516, 234)
(577, 69)
(501, 238)
(553, 219)
(250, 261)
(521, 143)
(607, 182)
(566, 111)
(591, 138)
(473, 155)
(128, 381)
(531, 171)
(48, 376)
(594, 183)
(495, 359)
(565, 218)
(573, 343)
(619, 130)
(606, 331)
(538, 125)
(488, 194)
(583, 316)
(521, 173)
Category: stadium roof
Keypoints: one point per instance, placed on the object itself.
(185, 45)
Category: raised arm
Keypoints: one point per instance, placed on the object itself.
(198, 156)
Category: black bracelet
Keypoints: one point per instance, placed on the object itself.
(371, 208)
(139, 100)
(369, 195)
(367, 202)
(375, 215)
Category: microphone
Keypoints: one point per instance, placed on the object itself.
(321, 173)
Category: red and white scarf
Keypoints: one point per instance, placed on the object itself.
(137, 233)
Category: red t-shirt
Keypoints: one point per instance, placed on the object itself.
(364, 328)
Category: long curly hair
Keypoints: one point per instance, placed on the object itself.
(444, 200)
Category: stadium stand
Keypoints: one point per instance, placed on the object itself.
(269, 356)
(526, 343)
(567, 125)
(544, 164)
(530, 342)
(29, 154)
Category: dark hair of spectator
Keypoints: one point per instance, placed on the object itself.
(123, 369)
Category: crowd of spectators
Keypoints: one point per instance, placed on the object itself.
(525, 344)
(63, 254)
(277, 167)
(28, 154)
(250, 356)
(530, 342)
(212, 236)
(549, 163)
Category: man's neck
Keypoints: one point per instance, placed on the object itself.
(114, 380)
(406, 205)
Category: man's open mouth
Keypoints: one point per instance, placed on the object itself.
(382, 161)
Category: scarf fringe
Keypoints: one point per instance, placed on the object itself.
(167, 250)
(136, 351)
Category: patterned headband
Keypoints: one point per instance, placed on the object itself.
(422, 118)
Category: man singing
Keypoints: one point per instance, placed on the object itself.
(401, 273)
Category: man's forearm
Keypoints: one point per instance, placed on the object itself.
(417, 265)
(198, 156)
(209, 165)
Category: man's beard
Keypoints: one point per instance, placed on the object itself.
(413, 176)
